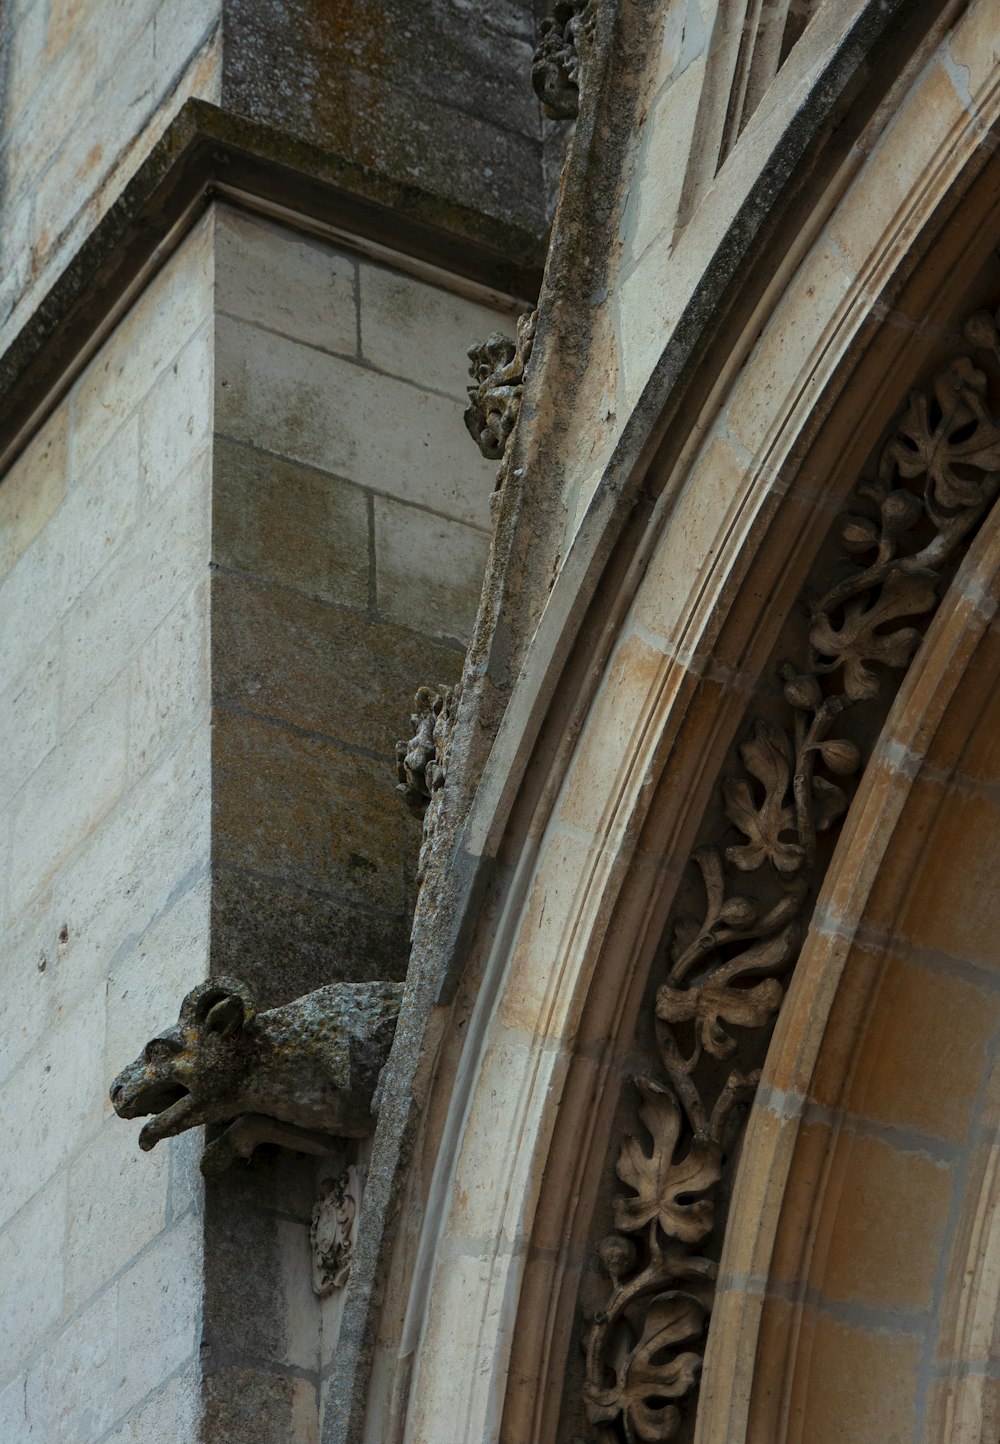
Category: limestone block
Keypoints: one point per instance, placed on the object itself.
(52, 1103)
(96, 516)
(183, 29)
(858, 1375)
(367, 428)
(324, 669)
(305, 809)
(67, 796)
(159, 564)
(169, 312)
(282, 281)
(29, 716)
(32, 490)
(25, 984)
(884, 1243)
(70, 1395)
(170, 686)
(420, 332)
(784, 362)
(14, 1426)
(974, 51)
(429, 570)
(154, 1342)
(119, 1205)
(289, 937)
(268, 1313)
(142, 860)
(289, 524)
(32, 1252)
(663, 159)
(259, 1406)
(169, 1415)
(879, 207)
(24, 41)
(175, 420)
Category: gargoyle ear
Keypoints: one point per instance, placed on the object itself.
(222, 1005)
(226, 1016)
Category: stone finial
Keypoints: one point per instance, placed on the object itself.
(298, 1075)
(497, 367)
(556, 69)
(420, 762)
(334, 1229)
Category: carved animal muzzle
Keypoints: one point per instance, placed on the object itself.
(152, 1084)
(177, 1074)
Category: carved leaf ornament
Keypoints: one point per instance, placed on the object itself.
(937, 475)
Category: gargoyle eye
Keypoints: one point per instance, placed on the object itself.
(160, 1050)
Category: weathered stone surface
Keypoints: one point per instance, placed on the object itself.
(286, 282)
(428, 570)
(266, 1313)
(287, 523)
(278, 394)
(324, 669)
(154, 1344)
(290, 937)
(420, 332)
(258, 1407)
(388, 84)
(306, 811)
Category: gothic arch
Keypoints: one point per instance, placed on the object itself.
(692, 605)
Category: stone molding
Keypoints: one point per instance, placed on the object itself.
(207, 154)
(937, 476)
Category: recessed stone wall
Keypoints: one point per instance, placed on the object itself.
(106, 812)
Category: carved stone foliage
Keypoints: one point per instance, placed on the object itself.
(497, 367)
(334, 1229)
(298, 1075)
(556, 70)
(730, 961)
(422, 762)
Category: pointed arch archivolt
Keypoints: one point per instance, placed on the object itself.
(860, 1280)
(636, 737)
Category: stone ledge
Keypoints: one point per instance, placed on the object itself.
(206, 152)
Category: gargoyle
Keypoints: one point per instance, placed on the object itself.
(298, 1075)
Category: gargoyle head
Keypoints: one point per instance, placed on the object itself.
(183, 1074)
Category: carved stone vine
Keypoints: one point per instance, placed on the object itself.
(935, 479)
(556, 70)
(497, 367)
(422, 762)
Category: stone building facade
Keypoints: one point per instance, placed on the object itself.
(674, 884)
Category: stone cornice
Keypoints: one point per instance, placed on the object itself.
(207, 154)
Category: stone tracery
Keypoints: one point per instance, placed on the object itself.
(937, 475)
